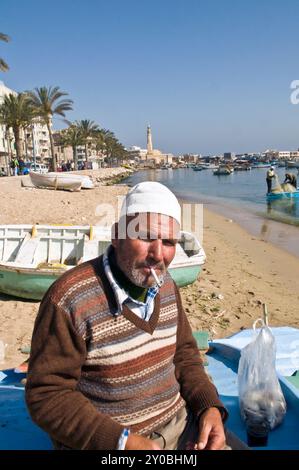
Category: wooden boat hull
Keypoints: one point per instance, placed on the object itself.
(33, 263)
(33, 285)
(185, 275)
(26, 284)
(283, 195)
(65, 181)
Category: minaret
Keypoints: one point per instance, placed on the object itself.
(149, 140)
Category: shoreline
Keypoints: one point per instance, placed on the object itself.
(241, 272)
(245, 272)
(258, 220)
(282, 235)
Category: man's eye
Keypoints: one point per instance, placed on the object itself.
(169, 242)
(144, 237)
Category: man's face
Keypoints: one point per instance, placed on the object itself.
(150, 243)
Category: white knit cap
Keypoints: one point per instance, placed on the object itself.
(151, 196)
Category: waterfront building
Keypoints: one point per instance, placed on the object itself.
(35, 139)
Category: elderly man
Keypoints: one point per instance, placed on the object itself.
(113, 362)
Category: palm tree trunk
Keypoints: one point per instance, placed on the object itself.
(86, 154)
(75, 157)
(18, 142)
(54, 166)
(26, 143)
(7, 160)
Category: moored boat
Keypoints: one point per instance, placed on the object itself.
(282, 195)
(258, 165)
(223, 170)
(33, 257)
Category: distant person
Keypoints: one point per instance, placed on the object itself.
(14, 166)
(21, 166)
(291, 178)
(270, 175)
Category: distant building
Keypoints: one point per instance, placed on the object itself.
(136, 153)
(64, 153)
(288, 155)
(34, 139)
(229, 156)
(191, 157)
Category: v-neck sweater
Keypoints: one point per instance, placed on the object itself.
(92, 374)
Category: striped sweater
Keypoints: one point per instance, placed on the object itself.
(92, 373)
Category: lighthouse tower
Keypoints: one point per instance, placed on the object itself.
(149, 140)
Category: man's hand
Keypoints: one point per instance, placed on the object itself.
(211, 432)
(136, 442)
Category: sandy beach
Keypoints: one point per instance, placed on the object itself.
(241, 272)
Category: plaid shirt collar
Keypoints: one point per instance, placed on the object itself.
(121, 295)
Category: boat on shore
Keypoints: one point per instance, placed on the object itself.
(20, 433)
(33, 257)
(66, 181)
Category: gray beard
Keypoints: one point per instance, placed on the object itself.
(141, 280)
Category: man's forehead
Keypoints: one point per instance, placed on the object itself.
(152, 224)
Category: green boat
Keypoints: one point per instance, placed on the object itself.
(33, 257)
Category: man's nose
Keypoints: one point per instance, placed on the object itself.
(156, 250)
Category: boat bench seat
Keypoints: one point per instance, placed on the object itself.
(94, 248)
(27, 249)
(180, 253)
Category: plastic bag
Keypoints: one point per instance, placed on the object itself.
(262, 403)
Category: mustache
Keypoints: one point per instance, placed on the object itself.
(159, 266)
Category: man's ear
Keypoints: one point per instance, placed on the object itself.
(114, 234)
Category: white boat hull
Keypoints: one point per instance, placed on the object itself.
(64, 181)
(32, 258)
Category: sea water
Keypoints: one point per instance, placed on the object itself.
(240, 196)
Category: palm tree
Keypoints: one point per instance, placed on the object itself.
(88, 130)
(111, 145)
(46, 102)
(73, 137)
(3, 65)
(16, 113)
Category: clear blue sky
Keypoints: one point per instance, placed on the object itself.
(209, 76)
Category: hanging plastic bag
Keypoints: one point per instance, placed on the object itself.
(262, 403)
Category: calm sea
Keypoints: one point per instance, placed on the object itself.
(240, 196)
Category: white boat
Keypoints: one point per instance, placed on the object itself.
(33, 257)
(223, 170)
(64, 180)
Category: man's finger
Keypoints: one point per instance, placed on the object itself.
(203, 437)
